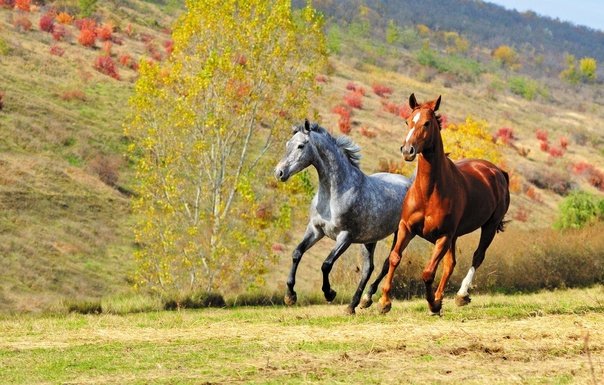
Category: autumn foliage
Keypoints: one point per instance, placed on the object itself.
(87, 37)
(47, 22)
(106, 65)
(381, 90)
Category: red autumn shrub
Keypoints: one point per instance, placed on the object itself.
(581, 168)
(104, 32)
(541, 135)
(556, 151)
(564, 142)
(534, 194)
(321, 78)
(85, 23)
(47, 22)
(344, 125)
(381, 90)
(22, 23)
(23, 5)
(169, 47)
(87, 37)
(145, 37)
(391, 107)
(342, 110)
(354, 100)
(56, 50)
(366, 132)
(106, 65)
(505, 135)
(70, 95)
(521, 214)
(351, 86)
(544, 146)
(404, 111)
(7, 3)
(58, 32)
(125, 60)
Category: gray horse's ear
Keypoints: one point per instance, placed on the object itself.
(413, 102)
(307, 126)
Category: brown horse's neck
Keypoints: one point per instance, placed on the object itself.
(432, 166)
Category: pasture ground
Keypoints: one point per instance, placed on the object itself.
(545, 338)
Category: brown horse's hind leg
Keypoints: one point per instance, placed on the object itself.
(449, 265)
(487, 233)
(442, 247)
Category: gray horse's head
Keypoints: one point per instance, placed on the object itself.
(298, 152)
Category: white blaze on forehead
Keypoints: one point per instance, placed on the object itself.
(416, 118)
(409, 135)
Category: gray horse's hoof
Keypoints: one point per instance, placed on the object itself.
(350, 310)
(366, 301)
(331, 295)
(462, 300)
(290, 298)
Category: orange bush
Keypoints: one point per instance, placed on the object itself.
(105, 32)
(87, 37)
(64, 18)
(23, 5)
(564, 142)
(534, 194)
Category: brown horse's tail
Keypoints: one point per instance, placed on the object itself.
(501, 226)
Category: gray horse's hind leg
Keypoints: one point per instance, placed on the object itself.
(367, 301)
(367, 251)
(312, 236)
(342, 243)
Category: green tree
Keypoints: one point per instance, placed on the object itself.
(393, 32)
(578, 209)
(203, 127)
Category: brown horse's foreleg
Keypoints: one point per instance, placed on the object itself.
(487, 233)
(448, 266)
(441, 247)
(403, 239)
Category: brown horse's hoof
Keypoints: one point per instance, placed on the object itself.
(350, 310)
(290, 298)
(331, 295)
(462, 300)
(384, 308)
(366, 301)
(436, 308)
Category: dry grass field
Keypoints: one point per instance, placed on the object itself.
(545, 338)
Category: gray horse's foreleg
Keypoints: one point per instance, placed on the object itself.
(367, 301)
(312, 236)
(342, 243)
(367, 250)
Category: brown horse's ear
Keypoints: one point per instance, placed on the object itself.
(436, 104)
(413, 102)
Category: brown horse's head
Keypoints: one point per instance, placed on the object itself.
(423, 126)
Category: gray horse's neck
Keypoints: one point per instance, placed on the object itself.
(336, 172)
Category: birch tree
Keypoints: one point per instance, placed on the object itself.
(203, 129)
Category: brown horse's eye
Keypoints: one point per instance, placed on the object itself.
(427, 124)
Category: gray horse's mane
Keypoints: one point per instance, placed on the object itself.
(344, 143)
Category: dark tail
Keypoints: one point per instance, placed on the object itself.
(501, 227)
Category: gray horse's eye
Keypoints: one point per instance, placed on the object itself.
(301, 146)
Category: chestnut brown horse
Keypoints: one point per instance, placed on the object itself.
(447, 199)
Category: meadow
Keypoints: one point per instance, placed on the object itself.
(544, 338)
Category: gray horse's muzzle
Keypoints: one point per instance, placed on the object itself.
(281, 173)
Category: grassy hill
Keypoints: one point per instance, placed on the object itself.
(65, 183)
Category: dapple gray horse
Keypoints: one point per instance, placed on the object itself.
(349, 207)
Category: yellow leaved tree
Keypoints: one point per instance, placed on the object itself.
(471, 139)
(203, 128)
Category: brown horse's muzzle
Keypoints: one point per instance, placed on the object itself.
(408, 152)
